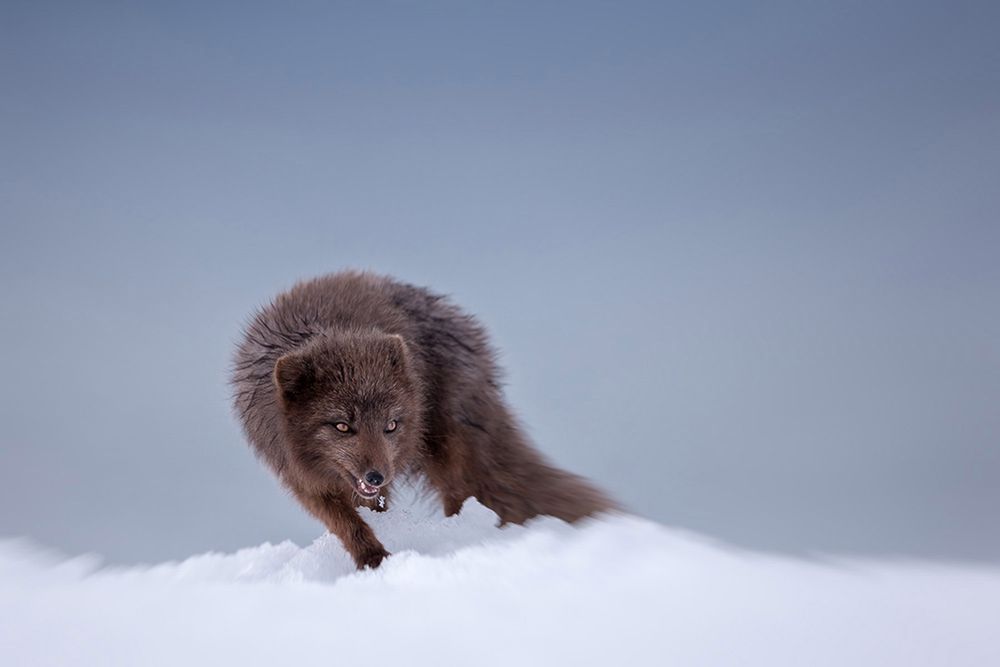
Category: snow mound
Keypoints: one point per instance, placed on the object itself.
(460, 591)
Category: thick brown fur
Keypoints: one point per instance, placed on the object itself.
(414, 382)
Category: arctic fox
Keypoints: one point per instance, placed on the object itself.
(350, 381)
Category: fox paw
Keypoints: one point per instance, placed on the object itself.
(371, 558)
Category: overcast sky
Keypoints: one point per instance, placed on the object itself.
(742, 262)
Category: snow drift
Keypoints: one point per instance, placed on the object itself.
(459, 591)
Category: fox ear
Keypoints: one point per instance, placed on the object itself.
(293, 374)
(397, 351)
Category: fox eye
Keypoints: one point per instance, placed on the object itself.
(391, 426)
(343, 427)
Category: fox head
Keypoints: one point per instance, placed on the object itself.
(352, 409)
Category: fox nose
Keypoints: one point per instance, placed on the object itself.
(374, 477)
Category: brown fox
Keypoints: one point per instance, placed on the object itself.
(350, 381)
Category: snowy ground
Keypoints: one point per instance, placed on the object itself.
(459, 591)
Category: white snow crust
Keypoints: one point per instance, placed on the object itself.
(460, 591)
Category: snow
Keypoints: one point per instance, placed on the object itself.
(459, 591)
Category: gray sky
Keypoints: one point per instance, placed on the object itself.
(743, 262)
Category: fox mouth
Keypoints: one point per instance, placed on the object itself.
(364, 489)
